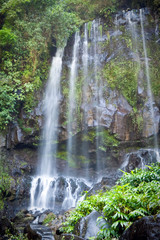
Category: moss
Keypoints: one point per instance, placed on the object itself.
(62, 155)
(73, 160)
(89, 136)
(122, 75)
(107, 139)
(50, 217)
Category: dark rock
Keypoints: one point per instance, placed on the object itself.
(22, 219)
(103, 185)
(88, 226)
(139, 159)
(31, 233)
(146, 228)
(36, 232)
(5, 225)
(41, 218)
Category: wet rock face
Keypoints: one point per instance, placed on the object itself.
(38, 232)
(88, 226)
(145, 228)
(139, 159)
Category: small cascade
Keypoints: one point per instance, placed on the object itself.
(56, 193)
(149, 91)
(130, 17)
(72, 98)
(139, 159)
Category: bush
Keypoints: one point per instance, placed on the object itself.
(136, 196)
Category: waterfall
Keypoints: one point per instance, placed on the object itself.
(51, 116)
(95, 35)
(41, 194)
(134, 34)
(72, 98)
(48, 189)
(149, 91)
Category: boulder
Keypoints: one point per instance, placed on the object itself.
(150, 127)
(31, 233)
(37, 232)
(41, 218)
(146, 228)
(88, 226)
(139, 159)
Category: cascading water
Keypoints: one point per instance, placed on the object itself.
(85, 59)
(48, 190)
(149, 91)
(41, 194)
(95, 35)
(72, 99)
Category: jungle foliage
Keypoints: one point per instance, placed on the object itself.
(30, 30)
(136, 195)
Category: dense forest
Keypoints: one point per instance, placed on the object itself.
(31, 31)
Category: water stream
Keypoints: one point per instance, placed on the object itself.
(72, 97)
(149, 91)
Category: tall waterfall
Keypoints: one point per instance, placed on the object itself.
(149, 91)
(41, 194)
(51, 117)
(48, 189)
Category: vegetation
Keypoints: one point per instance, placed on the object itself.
(18, 236)
(5, 183)
(50, 217)
(29, 32)
(122, 75)
(135, 196)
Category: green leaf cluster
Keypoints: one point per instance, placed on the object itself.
(5, 183)
(49, 218)
(137, 195)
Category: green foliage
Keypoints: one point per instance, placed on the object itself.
(90, 136)
(135, 197)
(84, 208)
(19, 236)
(5, 182)
(49, 218)
(7, 38)
(122, 75)
(26, 40)
(151, 173)
(106, 139)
